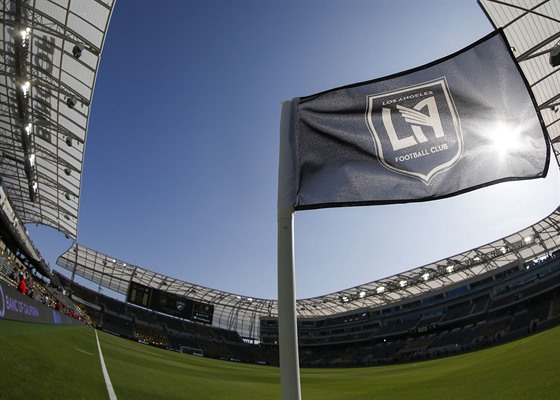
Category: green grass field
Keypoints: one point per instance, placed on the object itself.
(61, 362)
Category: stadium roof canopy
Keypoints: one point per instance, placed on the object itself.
(532, 29)
(50, 56)
(242, 313)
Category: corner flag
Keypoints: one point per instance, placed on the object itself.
(455, 125)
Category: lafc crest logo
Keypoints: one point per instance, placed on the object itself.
(416, 129)
(180, 305)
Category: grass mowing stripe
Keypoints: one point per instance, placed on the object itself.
(112, 395)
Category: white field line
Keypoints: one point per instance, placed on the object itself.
(112, 395)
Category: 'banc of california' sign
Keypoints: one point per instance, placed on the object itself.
(19, 307)
(43, 62)
(43, 66)
(10, 305)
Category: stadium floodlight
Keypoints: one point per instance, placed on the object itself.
(380, 289)
(362, 294)
(24, 34)
(426, 276)
(25, 88)
(77, 50)
(402, 283)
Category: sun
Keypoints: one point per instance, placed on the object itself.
(505, 138)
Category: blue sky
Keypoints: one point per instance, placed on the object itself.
(181, 161)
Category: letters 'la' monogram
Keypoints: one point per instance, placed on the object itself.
(416, 130)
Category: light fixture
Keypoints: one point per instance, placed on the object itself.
(77, 50)
(25, 88)
(25, 36)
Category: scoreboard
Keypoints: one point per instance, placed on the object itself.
(139, 295)
(169, 303)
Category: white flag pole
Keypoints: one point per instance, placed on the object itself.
(287, 322)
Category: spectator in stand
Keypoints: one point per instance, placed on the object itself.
(58, 305)
(22, 286)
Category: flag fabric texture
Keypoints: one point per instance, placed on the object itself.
(455, 125)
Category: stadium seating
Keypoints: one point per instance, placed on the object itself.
(503, 305)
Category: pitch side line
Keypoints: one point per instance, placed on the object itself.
(112, 395)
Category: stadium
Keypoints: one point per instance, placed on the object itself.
(504, 293)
